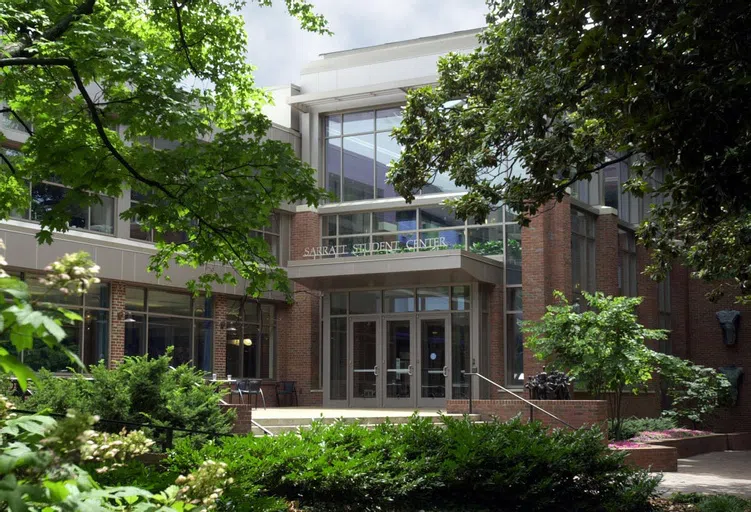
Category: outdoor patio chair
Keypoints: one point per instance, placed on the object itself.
(286, 388)
(249, 387)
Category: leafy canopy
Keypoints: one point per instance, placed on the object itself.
(563, 89)
(93, 82)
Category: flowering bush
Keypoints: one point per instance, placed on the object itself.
(673, 433)
(624, 445)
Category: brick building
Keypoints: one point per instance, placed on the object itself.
(392, 301)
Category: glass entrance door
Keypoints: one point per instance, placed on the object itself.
(434, 361)
(364, 385)
(399, 364)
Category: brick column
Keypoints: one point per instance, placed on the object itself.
(117, 329)
(606, 252)
(220, 336)
(298, 324)
(546, 265)
(497, 320)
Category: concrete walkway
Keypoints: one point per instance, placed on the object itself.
(317, 412)
(711, 473)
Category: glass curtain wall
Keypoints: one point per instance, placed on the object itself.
(455, 300)
(89, 338)
(251, 330)
(358, 148)
(627, 263)
(156, 319)
(424, 229)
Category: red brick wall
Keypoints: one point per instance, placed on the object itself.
(656, 458)
(704, 345)
(576, 413)
(117, 329)
(606, 253)
(497, 321)
(546, 265)
(220, 336)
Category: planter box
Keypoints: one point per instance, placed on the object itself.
(739, 441)
(653, 458)
(690, 446)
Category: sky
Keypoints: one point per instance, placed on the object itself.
(279, 48)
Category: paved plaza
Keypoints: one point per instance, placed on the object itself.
(711, 473)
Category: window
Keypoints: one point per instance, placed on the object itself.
(626, 263)
(140, 232)
(251, 331)
(89, 339)
(582, 254)
(613, 178)
(156, 319)
(358, 149)
(424, 229)
(664, 308)
(99, 217)
(270, 233)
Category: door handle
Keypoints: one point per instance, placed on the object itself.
(375, 370)
(410, 368)
(445, 371)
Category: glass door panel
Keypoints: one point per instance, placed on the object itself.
(399, 363)
(434, 361)
(365, 369)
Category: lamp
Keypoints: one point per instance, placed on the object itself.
(247, 342)
(126, 317)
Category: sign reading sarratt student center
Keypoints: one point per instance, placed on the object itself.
(376, 248)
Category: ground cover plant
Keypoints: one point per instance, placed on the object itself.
(695, 502)
(631, 427)
(459, 465)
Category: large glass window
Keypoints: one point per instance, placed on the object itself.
(157, 319)
(89, 338)
(271, 233)
(629, 207)
(251, 334)
(358, 150)
(423, 229)
(626, 263)
(99, 217)
(582, 254)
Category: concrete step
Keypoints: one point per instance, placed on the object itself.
(282, 425)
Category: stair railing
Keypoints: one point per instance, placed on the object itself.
(532, 406)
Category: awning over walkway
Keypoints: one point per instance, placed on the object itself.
(394, 270)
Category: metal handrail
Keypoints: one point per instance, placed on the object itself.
(263, 429)
(531, 405)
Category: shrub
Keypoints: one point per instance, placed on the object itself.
(631, 427)
(420, 465)
(139, 390)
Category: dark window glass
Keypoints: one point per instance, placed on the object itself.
(169, 303)
(387, 149)
(486, 241)
(513, 299)
(353, 224)
(399, 220)
(431, 218)
(98, 296)
(135, 335)
(338, 359)
(362, 303)
(513, 254)
(334, 166)
(95, 337)
(433, 299)
(203, 346)
(358, 167)
(399, 301)
(514, 349)
(135, 299)
(53, 359)
(165, 332)
(461, 297)
(339, 303)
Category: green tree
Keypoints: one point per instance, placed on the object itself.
(94, 81)
(563, 89)
(603, 348)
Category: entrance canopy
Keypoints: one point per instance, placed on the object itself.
(413, 268)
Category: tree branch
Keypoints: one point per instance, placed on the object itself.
(183, 42)
(53, 33)
(7, 162)
(18, 118)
